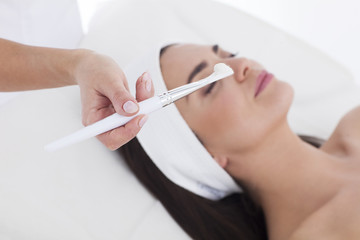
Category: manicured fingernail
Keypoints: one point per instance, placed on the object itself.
(147, 80)
(143, 121)
(130, 107)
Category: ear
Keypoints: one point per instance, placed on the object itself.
(222, 160)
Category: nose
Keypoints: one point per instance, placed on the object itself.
(241, 67)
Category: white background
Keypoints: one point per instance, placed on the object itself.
(330, 25)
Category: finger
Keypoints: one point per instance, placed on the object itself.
(120, 136)
(94, 115)
(117, 92)
(124, 103)
(144, 87)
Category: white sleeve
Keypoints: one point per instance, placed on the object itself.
(41, 22)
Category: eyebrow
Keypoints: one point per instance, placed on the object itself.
(196, 70)
(202, 65)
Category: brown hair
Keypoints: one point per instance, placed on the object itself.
(234, 217)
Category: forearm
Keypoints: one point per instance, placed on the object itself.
(25, 67)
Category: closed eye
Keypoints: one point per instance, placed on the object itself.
(210, 88)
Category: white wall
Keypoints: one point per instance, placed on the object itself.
(330, 25)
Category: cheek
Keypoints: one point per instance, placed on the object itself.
(224, 111)
(237, 124)
(233, 123)
(222, 125)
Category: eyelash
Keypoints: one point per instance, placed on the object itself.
(210, 88)
(233, 55)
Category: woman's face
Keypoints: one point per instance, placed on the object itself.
(234, 114)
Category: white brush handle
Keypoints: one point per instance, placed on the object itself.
(104, 125)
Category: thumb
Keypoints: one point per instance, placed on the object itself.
(124, 103)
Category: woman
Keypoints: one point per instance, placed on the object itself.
(291, 189)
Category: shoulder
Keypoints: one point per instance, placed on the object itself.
(345, 140)
(352, 118)
(336, 220)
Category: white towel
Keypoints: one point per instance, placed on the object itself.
(171, 144)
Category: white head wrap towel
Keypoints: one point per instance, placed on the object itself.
(171, 144)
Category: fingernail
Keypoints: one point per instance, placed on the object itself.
(147, 80)
(143, 121)
(130, 107)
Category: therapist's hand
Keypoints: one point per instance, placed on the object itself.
(103, 86)
(104, 91)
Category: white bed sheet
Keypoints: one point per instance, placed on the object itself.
(87, 192)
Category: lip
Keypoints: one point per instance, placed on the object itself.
(262, 81)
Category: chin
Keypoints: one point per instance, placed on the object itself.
(289, 93)
(286, 101)
(282, 93)
(280, 101)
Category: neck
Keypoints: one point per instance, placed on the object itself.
(284, 174)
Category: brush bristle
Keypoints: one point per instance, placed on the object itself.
(222, 68)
